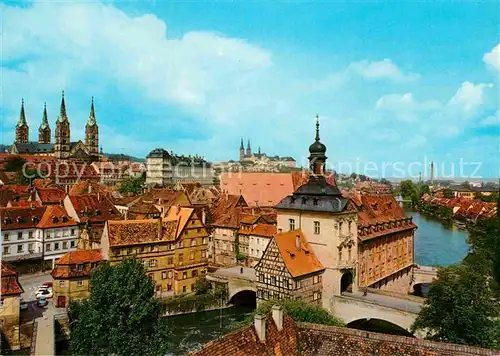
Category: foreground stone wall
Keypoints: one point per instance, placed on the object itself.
(318, 340)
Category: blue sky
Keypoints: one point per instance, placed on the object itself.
(394, 83)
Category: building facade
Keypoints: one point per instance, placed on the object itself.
(72, 274)
(63, 148)
(10, 306)
(173, 249)
(289, 269)
(166, 169)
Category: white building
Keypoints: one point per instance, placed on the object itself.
(37, 233)
(21, 239)
(258, 238)
(163, 168)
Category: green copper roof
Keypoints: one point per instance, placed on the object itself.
(22, 117)
(62, 114)
(45, 121)
(92, 121)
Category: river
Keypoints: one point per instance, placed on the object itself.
(437, 243)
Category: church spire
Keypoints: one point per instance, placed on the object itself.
(44, 130)
(249, 150)
(241, 144)
(317, 128)
(317, 157)
(22, 116)
(45, 121)
(92, 120)
(62, 114)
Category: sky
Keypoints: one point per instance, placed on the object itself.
(396, 85)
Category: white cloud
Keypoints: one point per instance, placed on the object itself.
(385, 69)
(491, 120)
(469, 96)
(414, 141)
(492, 58)
(404, 106)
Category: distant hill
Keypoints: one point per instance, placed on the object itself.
(123, 157)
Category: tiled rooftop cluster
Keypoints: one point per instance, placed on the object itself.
(466, 208)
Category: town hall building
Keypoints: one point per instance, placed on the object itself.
(63, 148)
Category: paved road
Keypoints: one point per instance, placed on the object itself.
(248, 273)
(31, 282)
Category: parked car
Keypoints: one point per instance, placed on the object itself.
(42, 301)
(47, 284)
(23, 305)
(47, 293)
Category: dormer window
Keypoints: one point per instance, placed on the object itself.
(98, 212)
(79, 267)
(8, 220)
(65, 219)
(55, 219)
(304, 200)
(34, 219)
(292, 200)
(315, 201)
(19, 219)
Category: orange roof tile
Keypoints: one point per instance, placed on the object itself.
(181, 214)
(94, 208)
(264, 230)
(56, 216)
(80, 256)
(134, 232)
(50, 195)
(20, 218)
(298, 261)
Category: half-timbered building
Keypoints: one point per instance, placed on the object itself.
(289, 269)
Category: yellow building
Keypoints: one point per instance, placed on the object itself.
(9, 306)
(173, 249)
(72, 276)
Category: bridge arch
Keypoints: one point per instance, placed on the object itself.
(380, 326)
(244, 296)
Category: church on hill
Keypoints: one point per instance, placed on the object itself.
(262, 158)
(63, 148)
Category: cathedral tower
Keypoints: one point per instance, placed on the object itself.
(62, 146)
(44, 129)
(92, 133)
(242, 150)
(249, 150)
(22, 129)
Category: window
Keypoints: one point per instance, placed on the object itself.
(56, 246)
(191, 255)
(316, 296)
(170, 260)
(285, 283)
(19, 235)
(261, 277)
(152, 263)
(180, 244)
(340, 254)
(163, 275)
(6, 236)
(169, 287)
(273, 280)
(79, 283)
(204, 241)
(79, 267)
(30, 234)
(184, 275)
(72, 232)
(181, 258)
(61, 283)
(316, 279)
(141, 249)
(349, 254)
(6, 250)
(194, 273)
(292, 224)
(184, 289)
(151, 275)
(72, 244)
(20, 248)
(203, 254)
(30, 248)
(349, 225)
(65, 245)
(192, 287)
(193, 242)
(170, 274)
(316, 228)
(48, 247)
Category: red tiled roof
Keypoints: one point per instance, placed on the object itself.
(7, 177)
(56, 216)
(20, 218)
(226, 203)
(84, 187)
(25, 204)
(42, 183)
(76, 264)
(6, 196)
(298, 261)
(94, 208)
(50, 195)
(80, 256)
(264, 230)
(10, 284)
(133, 232)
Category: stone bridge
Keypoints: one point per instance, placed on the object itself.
(424, 274)
(238, 279)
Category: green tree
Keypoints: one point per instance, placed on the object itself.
(424, 189)
(461, 308)
(409, 190)
(132, 185)
(465, 184)
(14, 164)
(448, 193)
(202, 285)
(299, 311)
(121, 316)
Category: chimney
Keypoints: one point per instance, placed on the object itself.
(277, 312)
(98, 196)
(178, 209)
(90, 188)
(203, 216)
(260, 326)
(297, 241)
(241, 270)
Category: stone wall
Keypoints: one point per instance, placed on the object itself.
(399, 282)
(318, 340)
